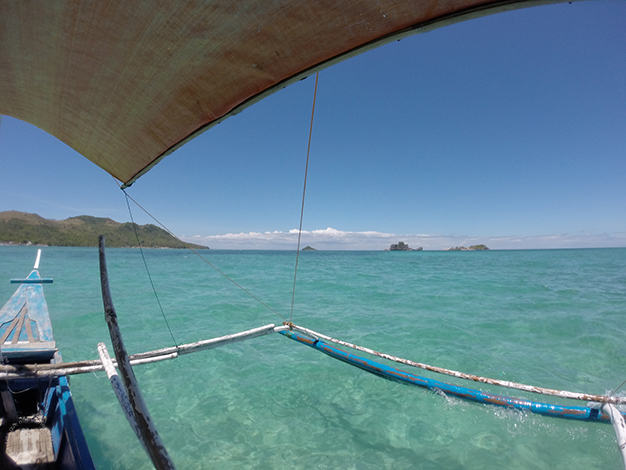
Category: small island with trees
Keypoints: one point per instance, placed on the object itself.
(471, 248)
(401, 246)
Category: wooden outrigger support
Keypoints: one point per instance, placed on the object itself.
(619, 425)
(8, 372)
(147, 430)
(118, 388)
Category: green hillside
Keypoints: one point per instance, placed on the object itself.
(23, 228)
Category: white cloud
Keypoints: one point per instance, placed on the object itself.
(332, 239)
(327, 239)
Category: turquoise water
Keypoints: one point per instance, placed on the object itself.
(553, 318)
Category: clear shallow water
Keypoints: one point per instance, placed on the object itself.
(552, 318)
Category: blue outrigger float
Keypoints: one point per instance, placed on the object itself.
(38, 421)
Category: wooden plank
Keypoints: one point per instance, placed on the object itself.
(10, 328)
(30, 446)
(20, 323)
(25, 347)
(29, 331)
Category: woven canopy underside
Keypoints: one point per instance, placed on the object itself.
(126, 83)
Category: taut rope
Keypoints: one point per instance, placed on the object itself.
(306, 172)
(199, 255)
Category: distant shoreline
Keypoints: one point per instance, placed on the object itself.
(96, 246)
(287, 250)
(26, 229)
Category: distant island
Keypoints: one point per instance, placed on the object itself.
(22, 228)
(471, 248)
(308, 248)
(401, 246)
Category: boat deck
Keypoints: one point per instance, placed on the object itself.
(26, 448)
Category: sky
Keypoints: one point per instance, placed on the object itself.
(508, 130)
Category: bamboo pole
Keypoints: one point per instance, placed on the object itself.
(209, 343)
(9, 372)
(118, 388)
(149, 435)
(36, 266)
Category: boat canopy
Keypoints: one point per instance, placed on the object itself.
(127, 82)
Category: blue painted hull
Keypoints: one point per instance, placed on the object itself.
(36, 413)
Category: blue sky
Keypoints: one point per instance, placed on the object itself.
(508, 130)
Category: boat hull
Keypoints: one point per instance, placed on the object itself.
(39, 425)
